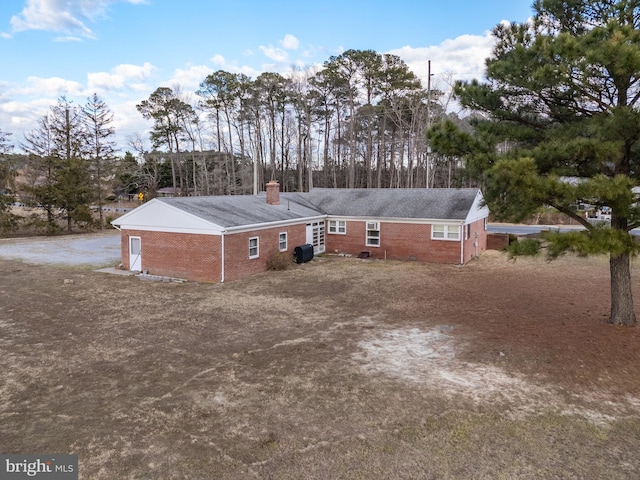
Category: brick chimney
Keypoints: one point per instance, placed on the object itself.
(273, 193)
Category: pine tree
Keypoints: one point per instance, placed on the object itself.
(563, 93)
(98, 120)
(57, 171)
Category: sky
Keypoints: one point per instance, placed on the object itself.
(123, 50)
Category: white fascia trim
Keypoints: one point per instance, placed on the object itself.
(282, 223)
(167, 229)
(416, 221)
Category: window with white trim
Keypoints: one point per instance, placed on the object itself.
(282, 241)
(373, 234)
(445, 232)
(254, 247)
(338, 226)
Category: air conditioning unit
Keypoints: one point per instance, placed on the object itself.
(373, 226)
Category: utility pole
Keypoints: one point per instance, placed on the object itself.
(255, 167)
(308, 147)
(428, 119)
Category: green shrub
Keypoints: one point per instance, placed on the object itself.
(9, 222)
(108, 219)
(528, 247)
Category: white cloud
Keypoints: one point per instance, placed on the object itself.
(222, 63)
(461, 58)
(128, 122)
(19, 117)
(63, 16)
(191, 78)
(218, 60)
(121, 76)
(52, 87)
(289, 42)
(68, 38)
(274, 53)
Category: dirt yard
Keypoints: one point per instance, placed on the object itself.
(336, 369)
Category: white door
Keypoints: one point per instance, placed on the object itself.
(309, 234)
(315, 236)
(135, 254)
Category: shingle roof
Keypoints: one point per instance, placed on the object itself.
(239, 210)
(432, 203)
(242, 210)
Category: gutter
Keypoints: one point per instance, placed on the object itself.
(279, 223)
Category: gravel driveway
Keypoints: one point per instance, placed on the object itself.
(94, 249)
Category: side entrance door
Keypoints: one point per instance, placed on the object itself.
(315, 236)
(135, 254)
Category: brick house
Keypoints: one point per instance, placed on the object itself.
(226, 238)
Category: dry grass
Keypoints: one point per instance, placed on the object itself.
(338, 368)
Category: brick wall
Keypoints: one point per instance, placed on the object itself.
(398, 241)
(470, 249)
(497, 241)
(238, 265)
(179, 255)
(198, 257)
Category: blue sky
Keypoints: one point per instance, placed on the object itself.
(125, 49)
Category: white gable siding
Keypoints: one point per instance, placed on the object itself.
(477, 210)
(160, 217)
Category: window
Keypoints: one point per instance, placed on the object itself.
(445, 232)
(338, 226)
(254, 247)
(467, 232)
(282, 242)
(373, 234)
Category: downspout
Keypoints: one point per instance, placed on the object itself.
(475, 244)
(461, 245)
(222, 256)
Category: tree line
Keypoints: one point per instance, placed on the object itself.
(359, 121)
(68, 167)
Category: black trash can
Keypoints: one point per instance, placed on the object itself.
(303, 253)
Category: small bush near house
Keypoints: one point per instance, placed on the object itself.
(8, 222)
(279, 261)
(108, 219)
(526, 247)
(37, 223)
